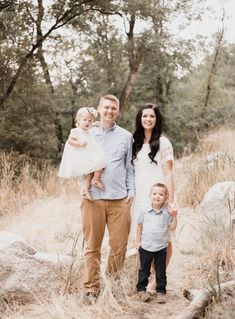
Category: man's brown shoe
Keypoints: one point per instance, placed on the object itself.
(90, 298)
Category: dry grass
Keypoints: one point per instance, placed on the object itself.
(224, 310)
(217, 241)
(46, 212)
(216, 262)
(114, 302)
(23, 181)
(213, 162)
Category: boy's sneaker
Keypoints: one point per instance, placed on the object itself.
(161, 298)
(143, 296)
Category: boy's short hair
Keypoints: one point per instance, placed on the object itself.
(161, 185)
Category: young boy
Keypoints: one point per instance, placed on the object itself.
(152, 240)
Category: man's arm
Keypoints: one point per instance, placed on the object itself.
(138, 235)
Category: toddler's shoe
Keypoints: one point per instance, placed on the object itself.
(161, 298)
(98, 184)
(87, 195)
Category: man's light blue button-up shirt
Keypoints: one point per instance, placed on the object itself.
(155, 233)
(118, 175)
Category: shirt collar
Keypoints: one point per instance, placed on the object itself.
(151, 209)
(109, 128)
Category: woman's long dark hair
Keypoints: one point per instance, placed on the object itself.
(139, 136)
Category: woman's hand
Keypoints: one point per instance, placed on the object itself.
(172, 209)
(137, 245)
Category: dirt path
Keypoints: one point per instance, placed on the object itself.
(180, 273)
(59, 219)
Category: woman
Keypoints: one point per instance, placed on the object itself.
(153, 162)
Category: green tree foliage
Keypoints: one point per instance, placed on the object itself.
(186, 115)
(56, 58)
(27, 122)
(21, 76)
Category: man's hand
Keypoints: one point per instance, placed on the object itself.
(96, 124)
(129, 200)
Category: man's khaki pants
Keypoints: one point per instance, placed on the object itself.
(95, 215)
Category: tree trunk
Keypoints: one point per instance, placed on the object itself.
(214, 64)
(45, 68)
(40, 54)
(202, 298)
(135, 59)
(127, 89)
(159, 93)
(59, 133)
(62, 20)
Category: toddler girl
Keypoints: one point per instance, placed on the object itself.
(82, 154)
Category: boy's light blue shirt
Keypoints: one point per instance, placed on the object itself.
(155, 233)
(118, 175)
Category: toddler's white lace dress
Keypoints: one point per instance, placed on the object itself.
(78, 161)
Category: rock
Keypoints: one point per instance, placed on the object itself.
(26, 275)
(13, 241)
(215, 201)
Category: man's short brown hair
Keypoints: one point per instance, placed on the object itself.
(110, 97)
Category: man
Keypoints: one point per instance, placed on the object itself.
(112, 205)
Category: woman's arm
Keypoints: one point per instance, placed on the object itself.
(173, 224)
(169, 179)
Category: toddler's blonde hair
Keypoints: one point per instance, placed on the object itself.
(87, 110)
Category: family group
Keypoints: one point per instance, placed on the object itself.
(127, 185)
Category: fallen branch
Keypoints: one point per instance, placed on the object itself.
(202, 298)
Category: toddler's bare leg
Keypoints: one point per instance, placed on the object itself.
(97, 175)
(86, 191)
(88, 181)
(96, 180)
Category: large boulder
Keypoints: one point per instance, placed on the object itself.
(217, 201)
(26, 275)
